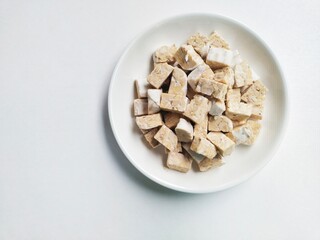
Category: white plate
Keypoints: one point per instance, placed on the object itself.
(135, 64)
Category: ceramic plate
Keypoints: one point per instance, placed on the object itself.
(135, 64)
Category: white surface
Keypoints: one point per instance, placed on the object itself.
(134, 64)
(62, 176)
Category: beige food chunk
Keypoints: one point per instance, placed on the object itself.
(245, 134)
(224, 144)
(217, 107)
(159, 74)
(195, 156)
(215, 40)
(140, 107)
(177, 161)
(204, 147)
(172, 102)
(225, 75)
(184, 131)
(187, 57)
(197, 109)
(165, 54)
(219, 58)
(201, 129)
(167, 138)
(200, 43)
(178, 84)
(141, 89)
(149, 136)
(255, 128)
(255, 94)
(212, 88)
(239, 111)
(177, 149)
(233, 97)
(257, 111)
(171, 119)
(239, 134)
(202, 71)
(220, 124)
(208, 163)
(236, 58)
(154, 96)
(149, 121)
(242, 75)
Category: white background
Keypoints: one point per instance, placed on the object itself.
(63, 176)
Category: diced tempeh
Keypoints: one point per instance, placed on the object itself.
(208, 163)
(149, 121)
(167, 138)
(195, 156)
(219, 58)
(172, 102)
(141, 90)
(154, 96)
(257, 111)
(239, 134)
(165, 54)
(224, 144)
(171, 119)
(184, 131)
(220, 124)
(200, 43)
(245, 134)
(233, 97)
(178, 148)
(242, 75)
(178, 84)
(187, 57)
(202, 71)
(225, 75)
(215, 40)
(179, 162)
(255, 94)
(159, 74)
(197, 109)
(149, 136)
(201, 129)
(217, 107)
(255, 128)
(236, 58)
(204, 147)
(140, 107)
(239, 111)
(212, 88)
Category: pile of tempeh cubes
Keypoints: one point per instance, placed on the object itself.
(201, 100)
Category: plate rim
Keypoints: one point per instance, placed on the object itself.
(237, 181)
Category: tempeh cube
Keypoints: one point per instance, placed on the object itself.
(159, 74)
(197, 109)
(167, 138)
(149, 121)
(222, 142)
